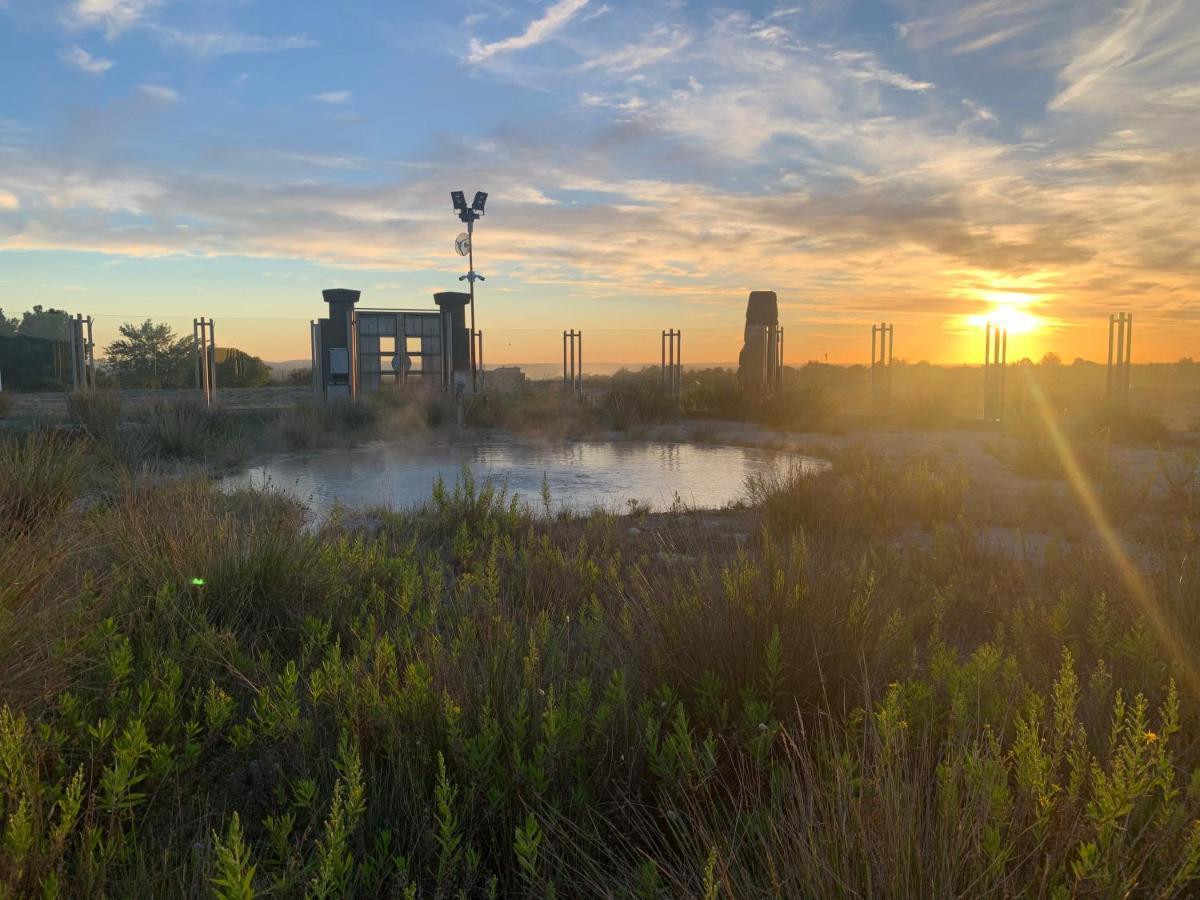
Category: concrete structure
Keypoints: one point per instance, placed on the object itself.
(760, 363)
(368, 350)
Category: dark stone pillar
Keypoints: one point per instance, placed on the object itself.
(762, 314)
(454, 304)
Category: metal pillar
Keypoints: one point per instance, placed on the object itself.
(318, 374)
(1120, 356)
(83, 353)
(204, 345)
(477, 354)
(573, 361)
(995, 367)
(671, 372)
(773, 360)
(355, 373)
(882, 342)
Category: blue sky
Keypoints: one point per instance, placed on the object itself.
(649, 163)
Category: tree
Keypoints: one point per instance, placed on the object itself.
(236, 368)
(151, 356)
(1050, 359)
(34, 350)
(45, 324)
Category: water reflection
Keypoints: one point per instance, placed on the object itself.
(580, 475)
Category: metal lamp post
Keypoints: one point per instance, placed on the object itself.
(469, 214)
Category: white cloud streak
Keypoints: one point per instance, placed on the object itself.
(557, 16)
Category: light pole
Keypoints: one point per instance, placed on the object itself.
(469, 214)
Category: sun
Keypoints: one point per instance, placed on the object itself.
(1011, 318)
(1011, 310)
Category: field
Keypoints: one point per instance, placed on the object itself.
(962, 662)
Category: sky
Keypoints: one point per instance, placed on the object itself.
(930, 164)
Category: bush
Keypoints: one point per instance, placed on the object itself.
(97, 412)
(185, 429)
(39, 477)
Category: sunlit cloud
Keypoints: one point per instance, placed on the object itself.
(684, 159)
(114, 16)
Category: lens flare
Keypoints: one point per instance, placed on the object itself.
(1166, 635)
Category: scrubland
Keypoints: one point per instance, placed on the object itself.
(839, 689)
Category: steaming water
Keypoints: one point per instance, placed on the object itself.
(581, 476)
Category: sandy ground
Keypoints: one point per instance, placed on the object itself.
(54, 405)
(1010, 502)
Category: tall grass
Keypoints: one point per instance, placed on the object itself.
(39, 477)
(473, 701)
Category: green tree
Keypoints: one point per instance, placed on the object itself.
(236, 368)
(151, 356)
(8, 327)
(45, 324)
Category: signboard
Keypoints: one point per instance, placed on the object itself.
(462, 244)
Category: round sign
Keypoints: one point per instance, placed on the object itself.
(462, 244)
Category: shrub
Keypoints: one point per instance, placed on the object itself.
(97, 412)
(39, 477)
(185, 429)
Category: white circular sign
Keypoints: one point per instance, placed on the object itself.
(462, 244)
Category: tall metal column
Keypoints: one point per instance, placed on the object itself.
(882, 343)
(1120, 356)
(204, 346)
(573, 361)
(995, 367)
(671, 373)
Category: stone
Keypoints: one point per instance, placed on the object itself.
(762, 313)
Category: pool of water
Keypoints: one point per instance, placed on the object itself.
(580, 476)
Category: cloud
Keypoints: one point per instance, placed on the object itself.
(80, 59)
(556, 17)
(159, 93)
(114, 16)
(207, 44)
(1148, 42)
(816, 166)
(335, 98)
(9, 201)
(662, 43)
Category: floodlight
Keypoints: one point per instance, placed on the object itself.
(459, 199)
(480, 201)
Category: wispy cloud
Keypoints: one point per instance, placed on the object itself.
(224, 43)
(78, 58)
(334, 98)
(556, 17)
(661, 44)
(160, 93)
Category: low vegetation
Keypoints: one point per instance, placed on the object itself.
(844, 692)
